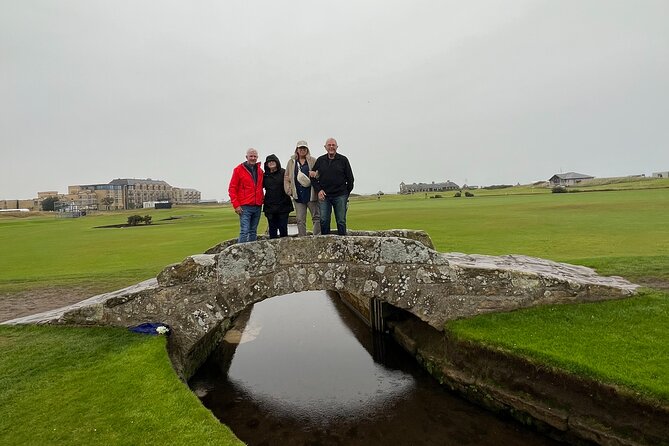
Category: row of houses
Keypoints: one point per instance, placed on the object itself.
(120, 193)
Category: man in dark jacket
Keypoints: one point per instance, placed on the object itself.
(332, 178)
(246, 195)
(277, 204)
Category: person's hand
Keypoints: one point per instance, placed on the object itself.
(239, 210)
(321, 195)
(313, 173)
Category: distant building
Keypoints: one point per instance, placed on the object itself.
(425, 187)
(661, 174)
(137, 191)
(31, 205)
(184, 195)
(50, 193)
(106, 197)
(157, 205)
(132, 193)
(121, 193)
(568, 179)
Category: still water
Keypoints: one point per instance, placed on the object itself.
(304, 370)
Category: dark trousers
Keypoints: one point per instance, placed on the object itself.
(278, 225)
(339, 205)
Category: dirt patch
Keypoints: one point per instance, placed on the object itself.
(653, 282)
(24, 214)
(25, 303)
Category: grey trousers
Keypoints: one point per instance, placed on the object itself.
(301, 216)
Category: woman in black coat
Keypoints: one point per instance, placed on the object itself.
(277, 204)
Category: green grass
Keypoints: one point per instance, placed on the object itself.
(622, 342)
(45, 251)
(622, 183)
(617, 231)
(83, 386)
(95, 385)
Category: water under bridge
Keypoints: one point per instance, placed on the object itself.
(373, 271)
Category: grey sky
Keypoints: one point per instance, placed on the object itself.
(486, 92)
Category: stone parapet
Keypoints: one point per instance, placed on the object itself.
(198, 297)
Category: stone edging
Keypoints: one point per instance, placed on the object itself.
(564, 406)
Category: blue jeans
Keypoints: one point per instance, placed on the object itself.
(339, 204)
(248, 223)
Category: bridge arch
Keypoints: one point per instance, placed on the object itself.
(200, 296)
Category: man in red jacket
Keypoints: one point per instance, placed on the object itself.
(246, 195)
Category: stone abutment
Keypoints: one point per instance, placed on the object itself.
(200, 296)
(378, 273)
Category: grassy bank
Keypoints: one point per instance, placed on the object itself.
(621, 342)
(88, 386)
(94, 385)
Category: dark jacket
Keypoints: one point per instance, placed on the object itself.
(276, 200)
(335, 176)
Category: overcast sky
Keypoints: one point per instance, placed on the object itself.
(483, 92)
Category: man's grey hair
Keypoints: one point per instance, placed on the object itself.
(251, 150)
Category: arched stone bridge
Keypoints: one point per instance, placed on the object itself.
(199, 297)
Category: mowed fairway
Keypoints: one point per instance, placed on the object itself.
(618, 232)
(47, 251)
(77, 386)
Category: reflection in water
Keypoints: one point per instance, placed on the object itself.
(302, 372)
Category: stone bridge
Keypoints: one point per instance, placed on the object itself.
(199, 297)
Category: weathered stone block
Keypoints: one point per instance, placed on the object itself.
(397, 267)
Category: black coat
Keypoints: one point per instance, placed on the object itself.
(276, 200)
(335, 176)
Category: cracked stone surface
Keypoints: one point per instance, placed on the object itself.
(198, 297)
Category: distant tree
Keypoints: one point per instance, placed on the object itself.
(107, 201)
(49, 203)
(134, 220)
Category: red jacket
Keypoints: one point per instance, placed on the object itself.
(242, 190)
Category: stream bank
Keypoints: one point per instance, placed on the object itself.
(564, 406)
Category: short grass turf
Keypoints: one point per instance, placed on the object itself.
(83, 386)
(624, 342)
(95, 385)
(617, 232)
(47, 251)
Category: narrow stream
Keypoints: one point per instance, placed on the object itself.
(302, 369)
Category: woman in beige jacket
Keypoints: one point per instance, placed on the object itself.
(297, 184)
